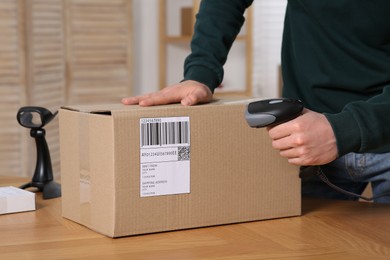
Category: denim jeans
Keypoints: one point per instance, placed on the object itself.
(352, 173)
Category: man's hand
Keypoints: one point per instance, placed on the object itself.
(188, 93)
(305, 140)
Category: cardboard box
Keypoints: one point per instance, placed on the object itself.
(128, 170)
(13, 200)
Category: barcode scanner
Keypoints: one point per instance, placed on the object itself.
(271, 112)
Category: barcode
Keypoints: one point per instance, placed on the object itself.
(164, 133)
(183, 153)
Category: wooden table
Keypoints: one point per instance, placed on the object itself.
(327, 230)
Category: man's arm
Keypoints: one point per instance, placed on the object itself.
(363, 126)
(316, 139)
(217, 25)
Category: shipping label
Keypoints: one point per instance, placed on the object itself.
(164, 156)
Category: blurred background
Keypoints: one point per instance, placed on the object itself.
(60, 52)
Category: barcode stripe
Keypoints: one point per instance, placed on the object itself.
(164, 133)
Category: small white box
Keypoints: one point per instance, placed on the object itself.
(13, 200)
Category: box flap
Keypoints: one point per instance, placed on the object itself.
(94, 109)
(118, 107)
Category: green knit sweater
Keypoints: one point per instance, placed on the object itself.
(335, 59)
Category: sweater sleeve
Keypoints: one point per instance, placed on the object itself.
(217, 26)
(363, 126)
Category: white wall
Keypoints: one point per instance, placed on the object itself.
(145, 43)
(267, 26)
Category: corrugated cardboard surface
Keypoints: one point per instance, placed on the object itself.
(235, 174)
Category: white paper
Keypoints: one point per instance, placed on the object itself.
(13, 200)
